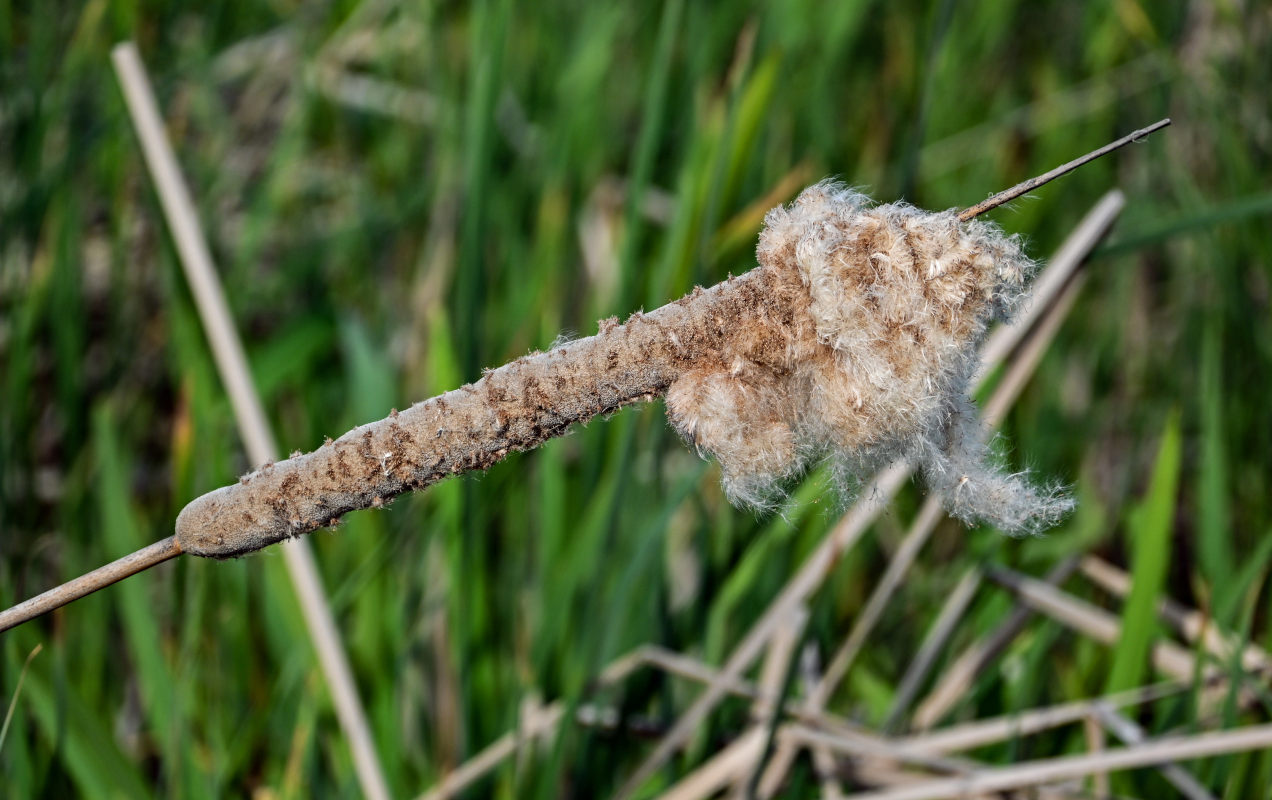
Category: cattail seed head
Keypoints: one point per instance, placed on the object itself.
(898, 301)
(853, 341)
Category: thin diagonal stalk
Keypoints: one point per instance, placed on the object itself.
(957, 678)
(1034, 773)
(196, 259)
(1124, 728)
(970, 735)
(1090, 620)
(933, 644)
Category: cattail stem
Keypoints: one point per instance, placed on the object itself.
(89, 582)
(1025, 187)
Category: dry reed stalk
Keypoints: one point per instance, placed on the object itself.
(1096, 742)
(1191, 624)
(1091, 620)
(1125, 729)
(933, 642)
(957, 678)
(1035, 773)
(731, 765)
(824, 764)
(773, 680)
(227, 350)
(970, 735)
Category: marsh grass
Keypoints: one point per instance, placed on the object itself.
(373, 257)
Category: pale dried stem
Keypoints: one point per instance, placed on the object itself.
(823, 760)
(1125, 729)
(89, 582)
(957, 679)
(1096, 742)
(951, 614)
(970, 735)
(773, 678)
(196, 258)
(1034, 773)
(1025, 187)
(1191, 624)
(737, 758)
(1090, 620)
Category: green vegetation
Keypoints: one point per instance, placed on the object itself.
(399, 194)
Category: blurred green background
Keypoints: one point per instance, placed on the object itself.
(399, 194)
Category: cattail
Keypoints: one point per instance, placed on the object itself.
(853, 340)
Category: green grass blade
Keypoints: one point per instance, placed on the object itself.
(1149, 529)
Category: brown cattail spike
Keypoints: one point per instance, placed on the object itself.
(853, 341)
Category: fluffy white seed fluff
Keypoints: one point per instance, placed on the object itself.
(898, 300)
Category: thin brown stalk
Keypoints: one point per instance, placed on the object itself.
(731, 764)
(885, 752)
(773, 679)
(89, 582)
(1190, 623)
(823, 760)
(1025, 187)
(951, 614)
(17, 692)
(1096, 742)
(970, 735)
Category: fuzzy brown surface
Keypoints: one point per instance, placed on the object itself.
(515, 407)
(852, 342)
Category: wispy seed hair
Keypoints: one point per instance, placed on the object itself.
(898, 301)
